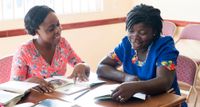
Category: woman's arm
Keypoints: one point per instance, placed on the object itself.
(19, 67)
(160, 84)
(108, 69)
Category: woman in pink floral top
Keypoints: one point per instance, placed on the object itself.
(47, 55)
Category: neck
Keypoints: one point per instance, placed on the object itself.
(142, 51)
(44, 45)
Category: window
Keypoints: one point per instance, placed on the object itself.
(16, 9)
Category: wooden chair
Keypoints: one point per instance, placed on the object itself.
(5, 68)
(169, 28)
(186, 71)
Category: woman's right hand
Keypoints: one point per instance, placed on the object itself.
(43, 87)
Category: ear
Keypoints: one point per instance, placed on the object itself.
(154, 33)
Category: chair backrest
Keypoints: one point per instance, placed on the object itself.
(186, 70)
(191, 31)
(169, 28)
(5, 68)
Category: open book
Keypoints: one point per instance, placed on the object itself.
(48, 103)
(55, 103)
(13, 91)
(104, 92)
(67, 86)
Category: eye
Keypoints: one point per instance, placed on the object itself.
(58, 24)
(51, 29)
(142, 32)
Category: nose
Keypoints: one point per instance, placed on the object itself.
(133, 35)
(58, 29)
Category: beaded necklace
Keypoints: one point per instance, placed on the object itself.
(135, 59)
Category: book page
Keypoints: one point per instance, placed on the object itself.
(72, 89)
(104, 92)
(67, 86)
(59, 81)
(27, 104)
(7, 97)
(55, 103)
(17, 86)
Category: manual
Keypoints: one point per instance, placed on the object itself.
(104, 92)
(67, 86)
(6, 97)
(55, 103)
(13, 91)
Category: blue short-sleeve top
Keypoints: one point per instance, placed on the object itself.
(161, 53)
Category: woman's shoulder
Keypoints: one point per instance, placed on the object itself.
(164, 40)
(27, 45)
(125, 38)
(125, 41)
(164, 43)
(63, 40)
(25, 49)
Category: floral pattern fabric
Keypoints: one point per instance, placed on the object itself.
(28, 62)
(115, 57)
(168, 65)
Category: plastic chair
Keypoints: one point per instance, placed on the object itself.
(5, 68)
(191, 31)
(186, 71)
(169, 28)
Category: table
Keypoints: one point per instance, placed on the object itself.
(164, 100)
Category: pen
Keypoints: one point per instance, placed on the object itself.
(81, 94)
(75, 77)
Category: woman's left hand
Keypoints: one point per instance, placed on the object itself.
(124, 92)
(81, 72)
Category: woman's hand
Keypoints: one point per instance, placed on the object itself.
(124, 92)
(81, 72)
(43, 87)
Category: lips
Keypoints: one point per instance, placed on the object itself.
(136, 44)
(57, 38)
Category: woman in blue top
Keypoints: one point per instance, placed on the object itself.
(148, 60)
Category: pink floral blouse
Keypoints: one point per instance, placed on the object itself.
(28, 62)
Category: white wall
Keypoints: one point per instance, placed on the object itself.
(91, 43)
(112, 9)
(94, 43)
(186, 10)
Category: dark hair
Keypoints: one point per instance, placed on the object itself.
(35, 17)
(147, 15)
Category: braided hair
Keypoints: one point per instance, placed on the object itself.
(147, 15)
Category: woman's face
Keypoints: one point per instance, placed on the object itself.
(141, 36)
(50, 30)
